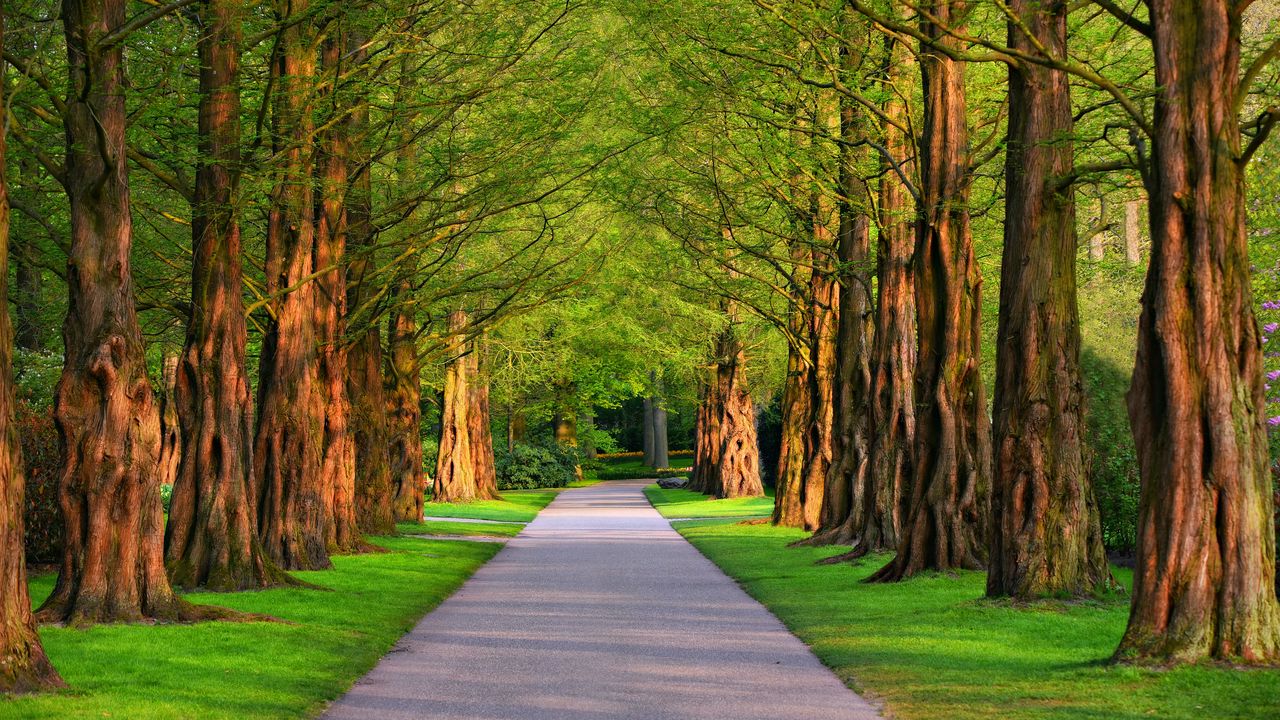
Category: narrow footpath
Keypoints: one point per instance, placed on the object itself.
(598, 610)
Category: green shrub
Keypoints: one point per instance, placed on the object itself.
(42, 516)
(529, 467)
(632, 473)
(166, 494)
(1113, 458)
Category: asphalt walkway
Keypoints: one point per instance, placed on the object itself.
(599, 610)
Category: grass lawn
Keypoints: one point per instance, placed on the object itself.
(444, 527)
(931, 647)
(690, 504)
(515, 506)
(258, 670)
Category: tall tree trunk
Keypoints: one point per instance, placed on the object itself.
(659, 402)
(113, 557)
(588, 442)
(480, 425)
(292, 500)
(24, 667)
(1045, 535)
(170, 428)
(210, 540)
(708, 438)
(1204, 578)
(338, 461)
(947, 521)
(517, 425)
(1132, 240)
(797, 401)
(456, 479)
(839, 522)
(404, 412)
(369, 436)
(891, 406)
(737, 462)
(648, 431)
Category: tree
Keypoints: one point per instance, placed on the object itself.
(113, 559)
(291, 500)
(24, 667)
(946, 523)
(1046, 535)
(402, 382)
(736, 470)
(211, 540)
(1204, 584)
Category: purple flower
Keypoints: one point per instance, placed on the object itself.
(1274, 421)
(1271, 305)
(1270, 328)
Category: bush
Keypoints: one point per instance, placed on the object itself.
(529, 467)
(633, 473)
(1112, 456)
(42, 516)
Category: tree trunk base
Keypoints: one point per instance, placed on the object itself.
(855, 554)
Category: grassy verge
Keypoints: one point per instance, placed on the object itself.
(444, 527)
(258, 670)
(515, 506)
(689, 504)
(932, 648)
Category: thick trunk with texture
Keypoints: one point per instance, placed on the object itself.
(210, 540)
(170, 429)
(892, 409)
(789, 505)
(24, 666)
(708, 439)
(847, 477)
(338, 459)
(404, 414)
(113, 558)
(369, 429)
(456, 479)
(1045, 535)
(1204, 582)
(946, 525)
(292, 501)
(479, 425)
(737, 466)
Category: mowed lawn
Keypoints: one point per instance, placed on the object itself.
(460, 528)
(289, 669)
(515, 506)
(688, 504)
(933, 648)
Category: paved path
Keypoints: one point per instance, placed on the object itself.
(598, 610)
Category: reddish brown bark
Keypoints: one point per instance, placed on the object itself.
(404, 414)
(797, 401)
(292, 501)
(947, 521)
(170, 428)
(338, 459)
(737, 463)
(1046, 535)
(456, 479)
(708, 439)
(113, 558)
(891, 409)
(847, 477)
(1204, 578)
(480, 426)
(24, 666)
(210, 540)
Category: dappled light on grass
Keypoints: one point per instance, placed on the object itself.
(933, 648)
(688, 504)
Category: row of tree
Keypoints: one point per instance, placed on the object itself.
(385, 197)
(837, 156)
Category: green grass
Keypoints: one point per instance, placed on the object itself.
(258, 670)
(689, 504)
(444, 527)
(515, 506)
(931, 647)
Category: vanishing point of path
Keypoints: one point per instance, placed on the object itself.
(599, 610)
